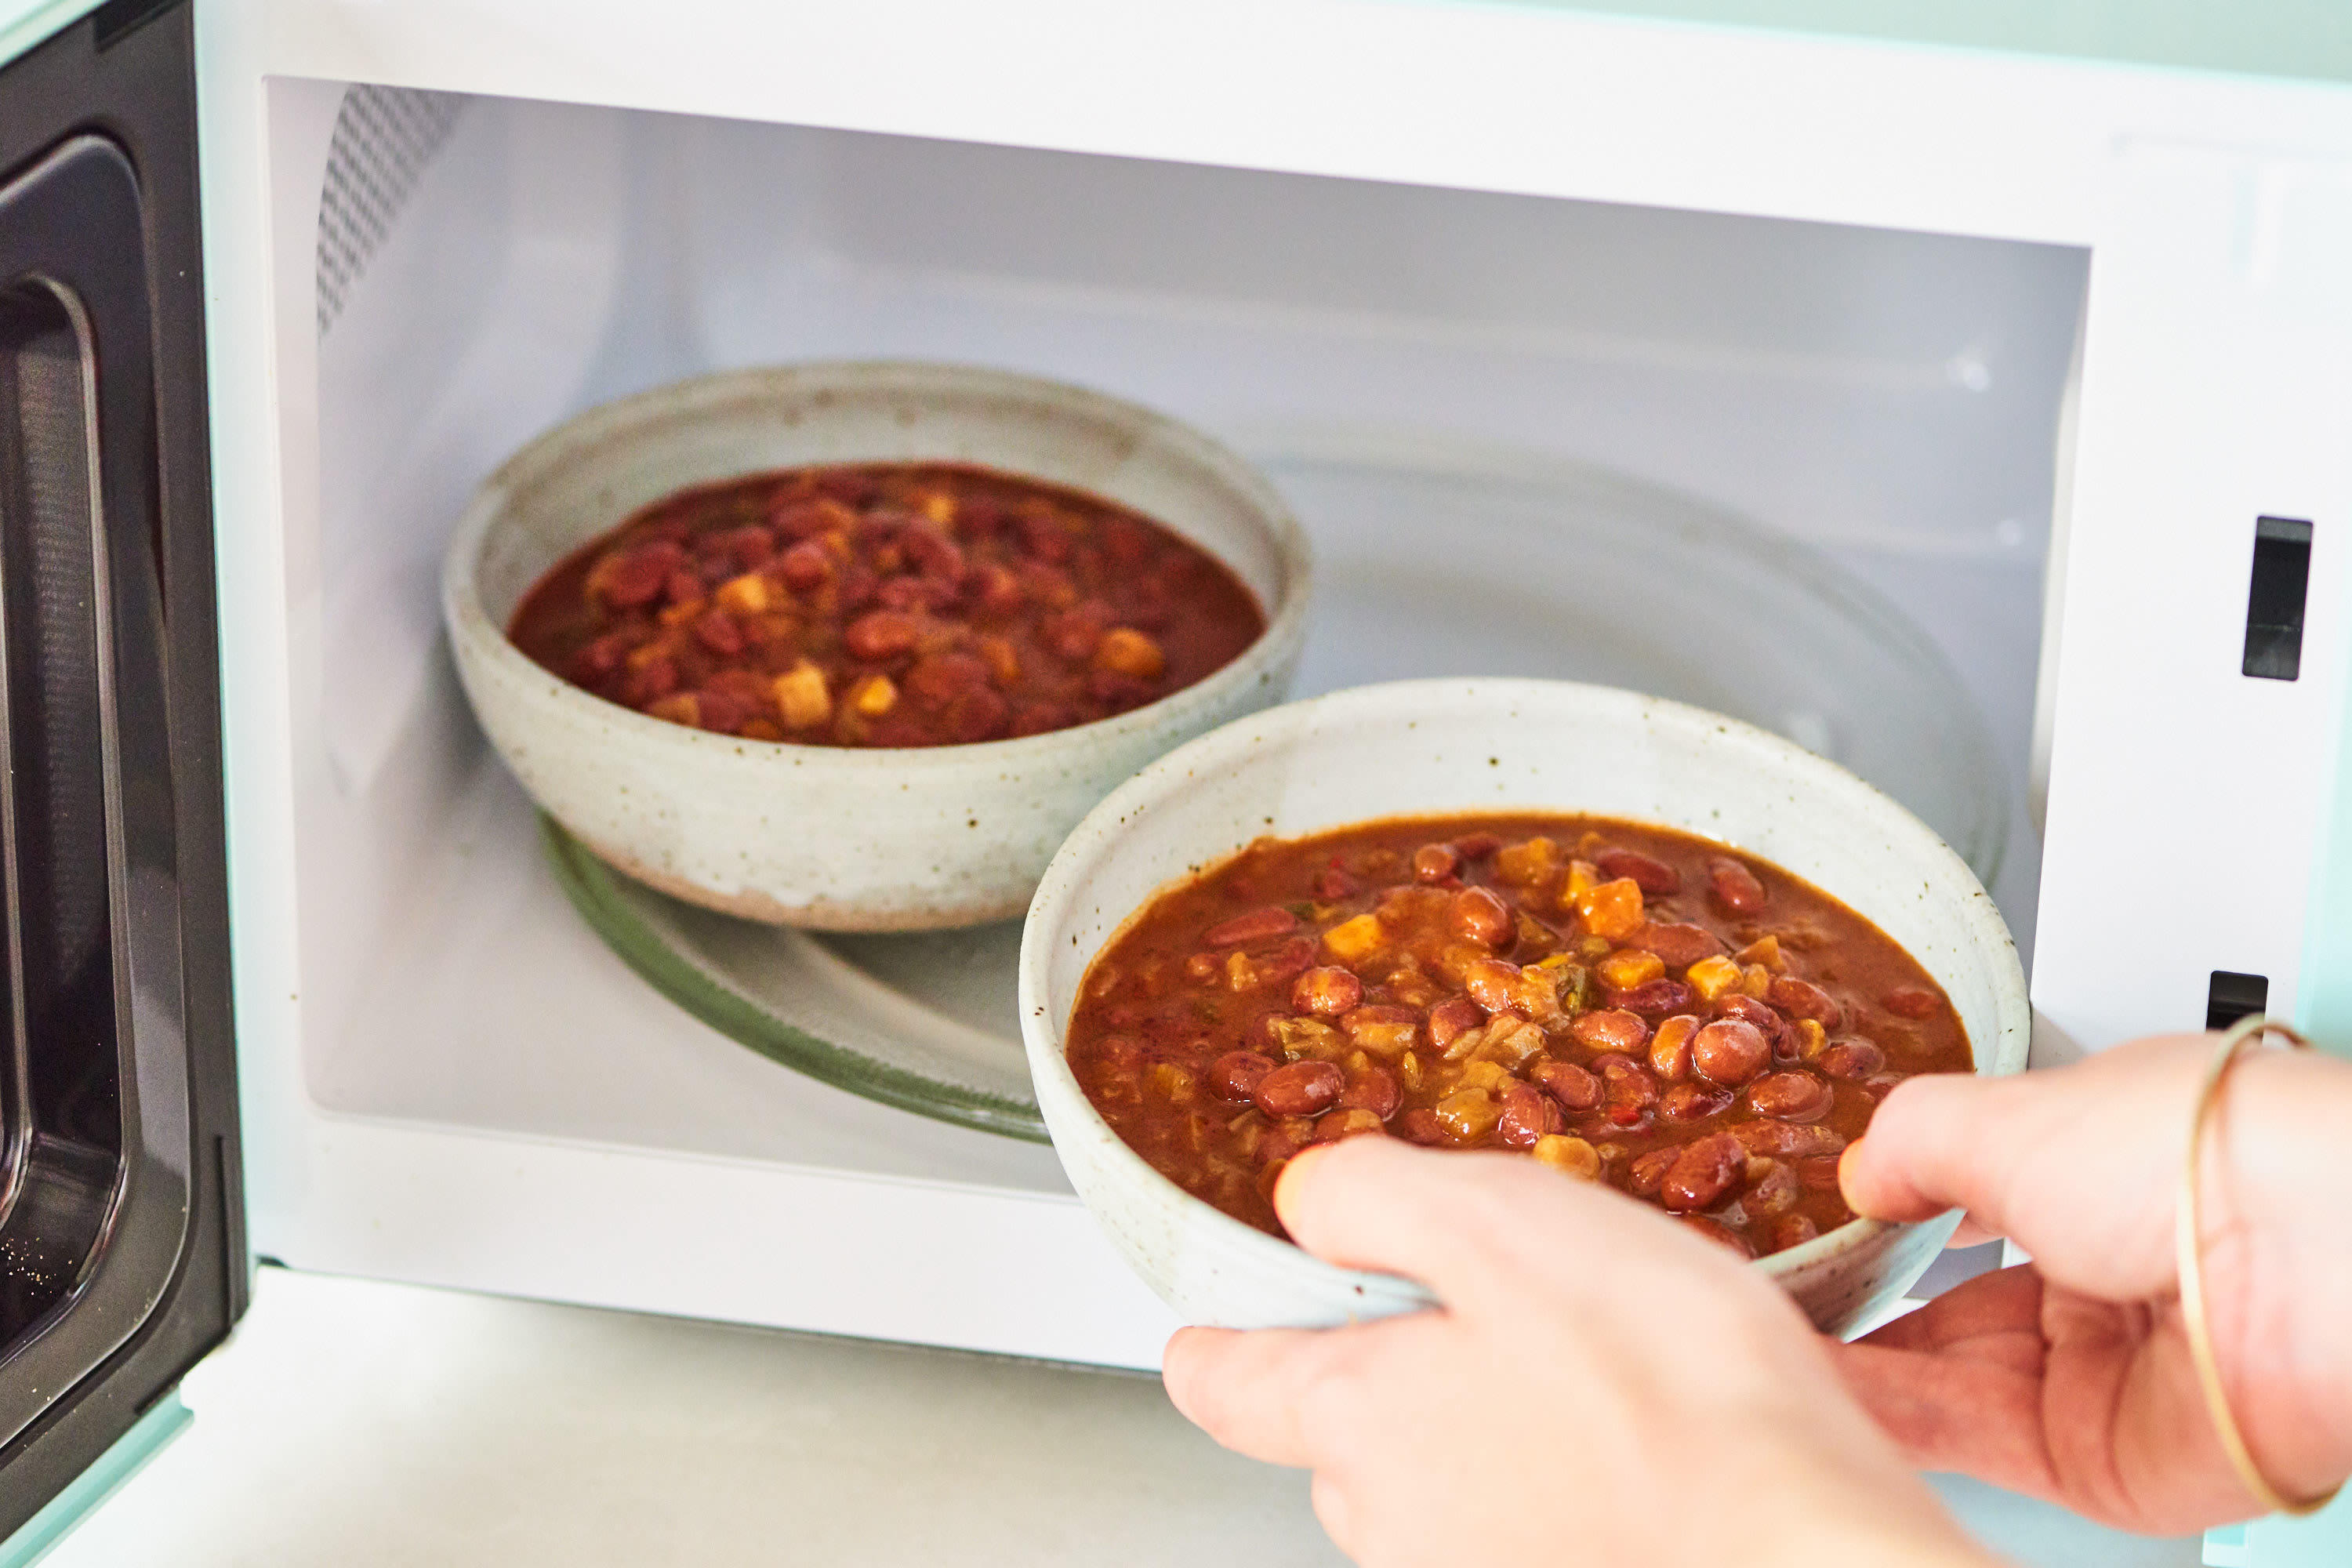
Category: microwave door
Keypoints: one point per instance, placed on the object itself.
(120, 1247)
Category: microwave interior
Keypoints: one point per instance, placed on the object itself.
(1892, 403)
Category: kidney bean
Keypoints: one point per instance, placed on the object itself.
(1730, 1052)
(1792, 1096)
(1327, 991)
(1477, 846)
(1374, 1088)
(1652, 876)
(1450, 1017)
(1292, 958)
(1679, 945)
(939, 679)
(1608, 1030)
(1761, 1018)
(1434, 862)
(1818, 1172)
(1332, 883)
(1259, 925)
(1528, 1114)
(1735, 887)
(1655, 999)
(1702, 1172)
(1803, 999)
(1912, 1002)
(1793, 1230)
(1720, 1234)
(1493, 983)
(1789, 1141)
(1419, 1125)
(1775, 1192)
(1236, 1075)
(1692, 1101)
(881, 634)
(1302, 1088)
(1852, 1057)
(1648, 1172)
(1670, 1048)
(1480, 917)
(1124, 1053)
(974, 716)
(635, 577)
(1575, 1089)
(804, 566)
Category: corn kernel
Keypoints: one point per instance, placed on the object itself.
(1592, 947)
(1811, 1038)
(1613, 909)
(684, 614)
(1570, 1156)
(1125, 651)
(749, 595)
(939, 506)
(1713, 976)
(1357, 939)
(1468, 1115)
(801, 696)
(1630, 967)
(874, 695)
(679, 708)
(1755, 981)
(1524, 865)
(1241, 975)
(1765, 951)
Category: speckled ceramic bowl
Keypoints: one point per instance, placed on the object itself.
(824, 837)
(1437, 746)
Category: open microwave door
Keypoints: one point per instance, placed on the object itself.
(121, 1247)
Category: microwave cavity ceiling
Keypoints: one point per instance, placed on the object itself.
(384, 137)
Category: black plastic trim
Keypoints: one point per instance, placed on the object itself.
(126, 75)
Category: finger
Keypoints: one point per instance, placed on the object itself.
(1473, 1227)
(1241, 1388)
(1977, 1416)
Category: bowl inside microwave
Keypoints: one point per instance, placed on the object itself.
(832, 838)
(1436, 747)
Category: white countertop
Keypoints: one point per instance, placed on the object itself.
(357, 1424)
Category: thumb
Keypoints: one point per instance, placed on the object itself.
(2077, 1163)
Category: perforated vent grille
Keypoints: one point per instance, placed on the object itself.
(383, 139)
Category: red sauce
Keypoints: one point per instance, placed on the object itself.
(885, 604)
(1627, 1003)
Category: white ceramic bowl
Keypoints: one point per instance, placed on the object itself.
(834, 837)
(1440, 746)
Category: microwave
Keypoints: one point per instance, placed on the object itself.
(2052, 352)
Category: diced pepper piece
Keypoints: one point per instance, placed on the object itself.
(1298, 1038)
(1509, 1042)
(1524, 865)
(1765, 951)
(1613, 909)
(1356, 939)
(1630, 967)
(1811, 1038)
(1582, 878)
(801, 696)
(1713, 977)
(1755, 981)
(1170, 1082)
(1569, 1156)
(679, 708)
(749, 595)
(1537, 990)
(874, 695)
(1125, 651)
(939, 506)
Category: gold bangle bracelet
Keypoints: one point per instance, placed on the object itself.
(2187, 1232)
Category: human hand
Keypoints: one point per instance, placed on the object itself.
(1598, 1376)
(2070, 1378)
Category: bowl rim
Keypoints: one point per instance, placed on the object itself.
(627, 417)
(1043, 1037)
